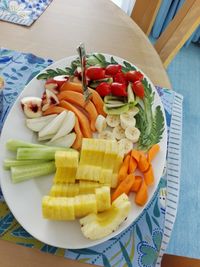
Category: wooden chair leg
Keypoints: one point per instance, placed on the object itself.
(178, 31)
(176, 261)
(144, 14)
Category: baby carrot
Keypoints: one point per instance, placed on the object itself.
(132, 165)
(149, 176)
(123, 171)
(142, 194)
(143, 163)
(153, 152)
(136, 155)
(124, 186)
(137, 184)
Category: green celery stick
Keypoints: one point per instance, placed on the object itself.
(39, 153)
(8, 163)
(14, 144)
(22, 173)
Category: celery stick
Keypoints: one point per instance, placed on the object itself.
(8, 163)
(38, 153)
(21, 173)
(14, 144)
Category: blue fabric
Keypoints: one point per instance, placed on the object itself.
(23, 12)
(141, 243)
(166, 13)
(185, 78)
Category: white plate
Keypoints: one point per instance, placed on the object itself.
(24, 199)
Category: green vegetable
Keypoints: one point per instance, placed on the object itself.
(21, 173)
(8, 163)
(14, 144)
(38, 153)
(150, 124)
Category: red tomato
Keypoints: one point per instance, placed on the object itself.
(118, 89)
(138, 89)
(133, 76)
(120, 78)
(113, 69)
(103, 89)
(95, 73)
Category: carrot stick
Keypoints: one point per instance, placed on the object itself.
(132, 165)
(136, 155)
(143, 163)
(98, 102)
(53, 110)
(142, 194)
(84, 122)
(137, 184)
(124, 186)
(123, 171)
(72, 86)
(149, 176)
(153, 152)
(79, 136)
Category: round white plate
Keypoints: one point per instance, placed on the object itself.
(24, 199)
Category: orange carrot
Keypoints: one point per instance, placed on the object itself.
(53, 110)
(132, 165)
(136, 155)
(83, 120)
(79, 136)
(142, 194)
(149, 176)
(98, 102)
(123, 171)
(143, 163)
(90, 108)
(153, 152)
(72, 86)
(137, 184)
(124, 186)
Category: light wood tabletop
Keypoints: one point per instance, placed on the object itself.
(103, 27)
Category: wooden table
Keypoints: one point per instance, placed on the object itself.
(104, 28)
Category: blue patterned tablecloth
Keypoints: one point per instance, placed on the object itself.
(144, 242)
(23, 12)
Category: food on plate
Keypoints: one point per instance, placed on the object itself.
(32, 106)
(100, 123)
(96, 226)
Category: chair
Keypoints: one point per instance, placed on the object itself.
(178, 31)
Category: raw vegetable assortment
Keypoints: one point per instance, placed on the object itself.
(100, 150)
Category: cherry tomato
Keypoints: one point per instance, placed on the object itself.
(138, 89)
(120, 78)
(133, 76)
(113, 69)
(95, 73)
(103, 89)
(118, 89)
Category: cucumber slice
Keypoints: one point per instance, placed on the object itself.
(22, 173)
(8, 163)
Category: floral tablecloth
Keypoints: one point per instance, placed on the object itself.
(144, 242)
(23, 12)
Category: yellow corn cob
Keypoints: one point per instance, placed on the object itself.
(58, 208)
(103, 198)
(67, 158)
(65, 175)
(85, 204)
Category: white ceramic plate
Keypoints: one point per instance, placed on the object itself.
(24, 199)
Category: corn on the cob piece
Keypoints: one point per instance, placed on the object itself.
(103, 198)
(58, 208)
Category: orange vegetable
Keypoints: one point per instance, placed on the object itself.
(142, 194)
(136, 155)
(123, 171)
(124, 186)
(90, 108)
(72, 86)
(153, 152)
(98, 102)
(53, 110)
(132, 165)
(79, 136)
(149, 176)
(137, 184)
(143, 163)
(83, 120)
